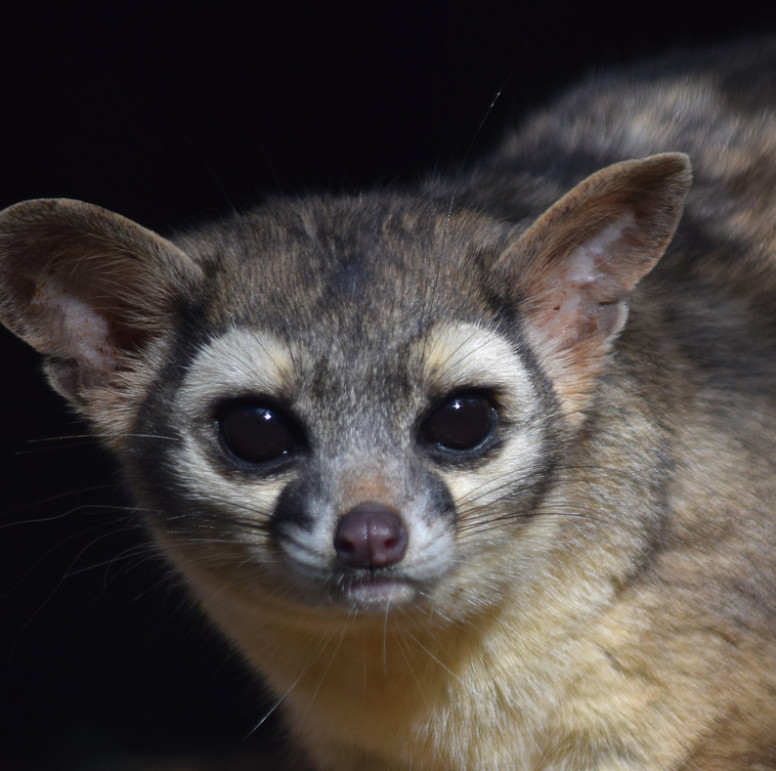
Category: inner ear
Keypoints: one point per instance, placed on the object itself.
(87, 288)
(98, 330)
(571, 271)
(582, 294)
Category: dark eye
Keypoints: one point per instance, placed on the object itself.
(256, 432)
(460, 423)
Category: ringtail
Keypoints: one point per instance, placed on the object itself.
(478, 474)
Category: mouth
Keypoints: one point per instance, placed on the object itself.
(375, 590)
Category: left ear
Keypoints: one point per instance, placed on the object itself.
(94, 293)
(572, 269)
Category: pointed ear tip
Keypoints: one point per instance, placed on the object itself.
(676, 165)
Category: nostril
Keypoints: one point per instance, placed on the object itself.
(370, 535)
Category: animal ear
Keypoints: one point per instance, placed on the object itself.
(87, 288)
(571, 271)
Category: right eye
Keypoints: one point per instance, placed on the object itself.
(462, 423)
(257, 432)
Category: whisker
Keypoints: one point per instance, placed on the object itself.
(266, 716)
(67, 573)
(60, 545)
(431, 655)
(320, 648)
(51, 499)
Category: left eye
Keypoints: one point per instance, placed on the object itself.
(460, 423)
(257, 433)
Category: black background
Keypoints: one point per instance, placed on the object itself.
(172, 115)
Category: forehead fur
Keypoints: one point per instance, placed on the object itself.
(352, 267)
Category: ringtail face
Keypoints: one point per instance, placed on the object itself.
(338, 438)
(337, 406)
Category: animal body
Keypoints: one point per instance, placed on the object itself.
(475, 475)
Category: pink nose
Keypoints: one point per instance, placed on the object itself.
(370, 535)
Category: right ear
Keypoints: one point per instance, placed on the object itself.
(88, 289)
(571, 272)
